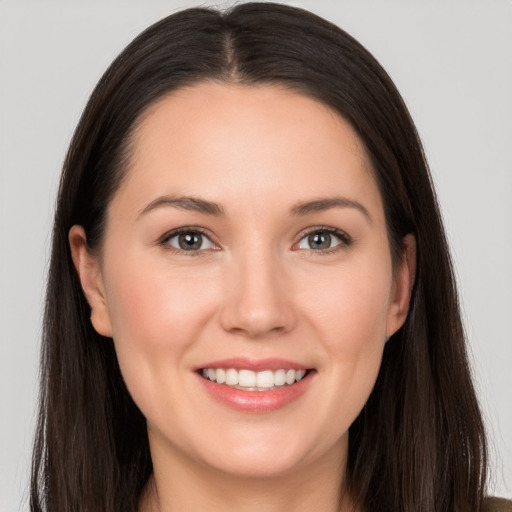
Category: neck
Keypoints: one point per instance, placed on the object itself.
(181, 484)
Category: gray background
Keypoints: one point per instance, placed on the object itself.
(452, 61)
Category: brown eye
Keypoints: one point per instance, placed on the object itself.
(190, 241)
(323, 240)
(319, 240)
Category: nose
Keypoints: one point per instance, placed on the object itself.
(258, 300)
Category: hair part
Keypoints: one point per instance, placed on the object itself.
(419, 442)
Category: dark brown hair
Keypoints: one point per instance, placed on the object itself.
(418, 445)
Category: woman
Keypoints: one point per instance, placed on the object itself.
(250, 301)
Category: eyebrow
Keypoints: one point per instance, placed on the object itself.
(323, 204)
(195, 204)
(188, 203)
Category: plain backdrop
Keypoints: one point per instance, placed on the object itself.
(452, 61)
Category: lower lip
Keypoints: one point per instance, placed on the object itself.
(257, 401)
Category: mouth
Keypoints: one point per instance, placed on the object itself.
(259, 381)
(255, 385)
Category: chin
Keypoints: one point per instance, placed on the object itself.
(265, 456)
(258, 467)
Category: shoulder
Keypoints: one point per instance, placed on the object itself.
(497, 505)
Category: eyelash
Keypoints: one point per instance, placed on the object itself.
(164, 241)
(345, 240)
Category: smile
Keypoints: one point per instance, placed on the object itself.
(248, 380)
(255, 385)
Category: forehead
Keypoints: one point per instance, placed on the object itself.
(225, 140)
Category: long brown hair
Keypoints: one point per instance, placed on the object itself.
(418, 445)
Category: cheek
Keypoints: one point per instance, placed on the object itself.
(351, 304)
(154, 306)
(350, 319)
(156, 316)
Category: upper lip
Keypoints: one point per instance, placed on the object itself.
(256, 365)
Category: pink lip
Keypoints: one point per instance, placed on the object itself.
(256, 365)
(256, 401)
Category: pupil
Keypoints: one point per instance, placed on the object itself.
(319, 240)
(190, 241)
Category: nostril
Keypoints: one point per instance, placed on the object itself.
(256, 308)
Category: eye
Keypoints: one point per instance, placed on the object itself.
(323, 240)
(191, 240)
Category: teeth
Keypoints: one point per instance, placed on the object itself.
(231, 377)
(246, 379)
(253, 381)
(280, 378)
(220, 376)
(265, 379)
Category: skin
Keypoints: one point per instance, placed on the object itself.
(256, 288)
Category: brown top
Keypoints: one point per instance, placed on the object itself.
(497, 505)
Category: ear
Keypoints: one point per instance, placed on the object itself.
(404, 277)
(88, 269)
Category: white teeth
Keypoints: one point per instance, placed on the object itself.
(253, 381)
(246, 378)
(265, 379)
(231, 377)
(280, 378)
(221, 376)
(299, 374)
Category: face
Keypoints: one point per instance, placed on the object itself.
(246, 278)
